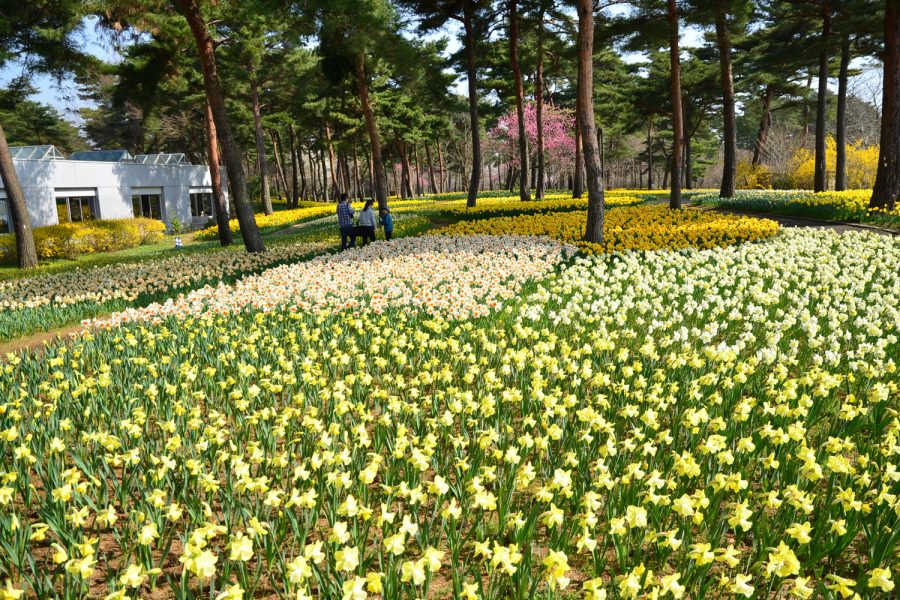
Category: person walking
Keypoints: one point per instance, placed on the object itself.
(367, 223)
(387, 221)
(345, 222)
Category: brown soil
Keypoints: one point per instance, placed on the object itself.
(36, 341)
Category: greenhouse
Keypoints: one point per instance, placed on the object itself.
(109, 184)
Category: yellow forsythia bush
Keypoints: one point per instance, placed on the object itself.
(862, 164)
(70, 240)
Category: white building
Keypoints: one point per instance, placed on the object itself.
(109, 184)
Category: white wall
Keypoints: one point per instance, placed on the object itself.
(113, 184)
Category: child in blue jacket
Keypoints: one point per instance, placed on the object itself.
(387, 221)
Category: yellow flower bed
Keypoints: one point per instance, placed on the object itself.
(649, 227)
(553, 202)
(70, 240)
(284, 218)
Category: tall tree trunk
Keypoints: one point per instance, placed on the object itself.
(391, 162)
(475, 181)
(18, 209)
(279, 167)
(295, 168)
(359, 190)
(378, 182)
(430, 161)
(405, 189)
(215, 176)
(231, 151)
(539, 107)
(840, 163)
(335, 190)
(524, 192)
(578, 179)
(650, 156)
(729, 128)
(688, 163)
(261, 162)
(443, 167)
(820, 181)
(419, 190)
(677, 110)
(765, 122)
(326, 193)
(314, 174)
(600, 147)
(585, 107)
(805, 138)
(887, 179)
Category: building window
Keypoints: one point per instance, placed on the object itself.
(146, 205)
(201, 204)
(74, 209)
(5, 222)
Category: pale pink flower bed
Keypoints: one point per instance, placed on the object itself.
(455, 277)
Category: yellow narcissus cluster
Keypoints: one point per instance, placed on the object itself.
(698, 424)
(648, 227)
(284, 218)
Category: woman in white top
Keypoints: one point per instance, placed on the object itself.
(367, 223)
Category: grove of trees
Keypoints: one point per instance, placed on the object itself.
(308, 99)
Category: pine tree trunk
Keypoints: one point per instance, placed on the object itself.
(585, 107)
(261, 162)
(430, 161)
(215, 177)
(820, 181)
(419, 190)
(840, 163)
(887, 179)
(765, 122)
(326, 191)
(295, 168)
(723, 39)
(18, 209)
(539, 108)
(335, 190)
(475, 181)
(805, 138)
(231, 151)
(578, 179)
(688, 164)
(677, 110)
(359, 191)
(279, 167)
(379, 182)
(405, 189)
(443, 168)
(524, 192)
(650, 156)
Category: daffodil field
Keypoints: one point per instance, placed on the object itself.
(704, 407)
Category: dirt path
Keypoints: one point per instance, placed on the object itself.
(788, 221)
(36, 341)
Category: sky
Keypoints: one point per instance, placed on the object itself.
(63, 95)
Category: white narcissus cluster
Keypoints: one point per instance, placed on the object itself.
(454, 277)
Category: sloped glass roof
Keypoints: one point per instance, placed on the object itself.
(36, 153)
(161, 159)
(103, 155)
